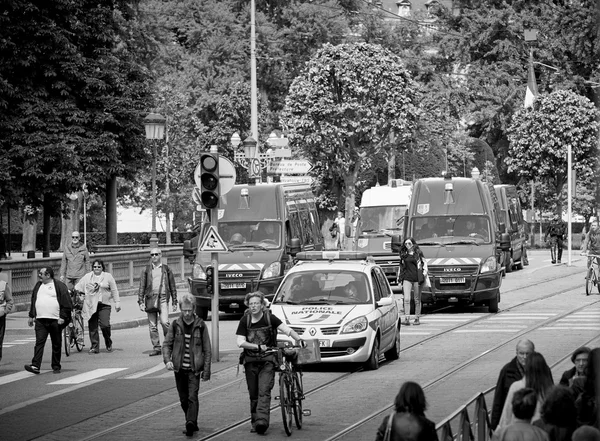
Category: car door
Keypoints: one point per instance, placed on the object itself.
(389, 313)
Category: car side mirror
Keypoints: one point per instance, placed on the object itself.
(505, 242)
(385, 301)
(396, 243)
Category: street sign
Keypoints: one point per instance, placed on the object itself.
(212, 242)
(296, 179)
(227, 175)
(290, 166)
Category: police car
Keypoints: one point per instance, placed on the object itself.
(344, 300)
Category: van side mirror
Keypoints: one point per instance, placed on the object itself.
(505, 242)
(188, 250)
(396, 243)
(294, 247)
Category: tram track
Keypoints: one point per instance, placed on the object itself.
(206, 395)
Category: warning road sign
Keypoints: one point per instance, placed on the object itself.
(212, 242)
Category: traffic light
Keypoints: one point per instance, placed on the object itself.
(209, 180)
(210, 279)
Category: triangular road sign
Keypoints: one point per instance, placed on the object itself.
(212, 242)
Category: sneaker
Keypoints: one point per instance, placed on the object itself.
(554, 261)
(416, 322)
(406, 322)
(56, 371)
(94, 351)
(559, 261)
(190, 428)
(31, 368)
(261, 427)
(109, 348)
(154, 353)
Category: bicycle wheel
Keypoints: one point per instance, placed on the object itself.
(67, 340)
(298, 395)
(78, 332)
(285, 398)
(590, 281)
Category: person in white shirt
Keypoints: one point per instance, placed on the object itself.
(51, 311)
(340, 239)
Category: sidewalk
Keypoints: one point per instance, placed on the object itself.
(130, 316)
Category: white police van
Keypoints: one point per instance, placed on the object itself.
(344, 300)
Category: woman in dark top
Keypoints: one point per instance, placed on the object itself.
(411, 259)
(587, 401)
(558, 414)
(410, 400)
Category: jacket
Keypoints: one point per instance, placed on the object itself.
(566, 377)
(64, 301)
(75, 262)
(428, 432)
(520, 431)
(6, 299)
(508, 375)
(168, 283)
(200, 350)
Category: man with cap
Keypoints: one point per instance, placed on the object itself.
(557, 232)
(580, 360)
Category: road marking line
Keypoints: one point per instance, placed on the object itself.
(569, 328)
(466, 331)
(514, 317)
(45, 397)
(15, 377)
(156, 368)
(435, 319)
(87, 376)
(417, 333)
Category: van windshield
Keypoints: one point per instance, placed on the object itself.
(317, 287)
(379, 219)
(251, 234)
(445, 230)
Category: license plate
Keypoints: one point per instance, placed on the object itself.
(234, 305)
(452, 280)
(324, 343)
(233, 286)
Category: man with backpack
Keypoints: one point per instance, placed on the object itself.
(257, 332)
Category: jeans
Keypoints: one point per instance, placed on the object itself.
(43, 327)
(188, 384)
(2, 330)
(100, 317)
(556, 248)
(153, 318)
(407, 287)
(260, 378)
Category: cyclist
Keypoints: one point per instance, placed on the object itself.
(256, 332)
(591, 244)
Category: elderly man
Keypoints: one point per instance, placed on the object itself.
(75, 261)
(580, 360)
(511, 372)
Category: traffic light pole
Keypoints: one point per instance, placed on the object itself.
(214, 314)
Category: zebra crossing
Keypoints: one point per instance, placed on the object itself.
(506, 322)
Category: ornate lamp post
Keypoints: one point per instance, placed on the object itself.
(155, 130)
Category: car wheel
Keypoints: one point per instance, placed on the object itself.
(493, 305)
(372, 364)
(394, 352)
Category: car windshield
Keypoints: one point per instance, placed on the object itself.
(445, 230)
(251, 234)
(379, 219)
(324, 287)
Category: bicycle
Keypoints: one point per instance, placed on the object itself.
(593, 275)
(291, 391)
(74, 332)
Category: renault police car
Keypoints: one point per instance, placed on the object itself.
(344, 300)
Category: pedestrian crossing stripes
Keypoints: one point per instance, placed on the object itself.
(87, 376)
(158, 367)
(25, 341)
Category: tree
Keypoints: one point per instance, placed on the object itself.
(539, 139)
(341, 109)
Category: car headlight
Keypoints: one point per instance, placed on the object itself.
(273, 270)
(490, 265)
(357, 325)
(198, 272)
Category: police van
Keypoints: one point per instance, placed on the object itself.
(458, 225)
(510, 209)
(343, 299)
(380, 209)
(263, 226)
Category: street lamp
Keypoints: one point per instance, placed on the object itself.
(155, 130)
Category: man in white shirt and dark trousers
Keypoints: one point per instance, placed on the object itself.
(51, 311)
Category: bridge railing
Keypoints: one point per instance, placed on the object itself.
(470, 422)
(125, 267)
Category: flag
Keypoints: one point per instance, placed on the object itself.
(532, 90)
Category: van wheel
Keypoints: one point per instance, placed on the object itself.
(202, 312)
(394, 352)
(493, 305)
(372, 364)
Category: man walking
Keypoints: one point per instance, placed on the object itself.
(511, 372)
(340, 240)
(557, 232)
(51, 311)
(75, 261)
(157, 287)
(6, 305)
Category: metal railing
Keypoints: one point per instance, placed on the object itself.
(125, 267)
(473, 427)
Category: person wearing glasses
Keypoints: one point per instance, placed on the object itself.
(157, 283)
(50, 311)
(99, 288)
(187, 352)
(411, 262)
(75, 261)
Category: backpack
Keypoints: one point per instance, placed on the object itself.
(246, 358)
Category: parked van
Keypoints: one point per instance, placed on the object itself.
(510, 207)
(263, 226)
(381, 208)
(457, 224)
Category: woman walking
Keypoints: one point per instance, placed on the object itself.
(412, 266)
(99, 288)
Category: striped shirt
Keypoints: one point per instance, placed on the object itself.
(187, 330)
